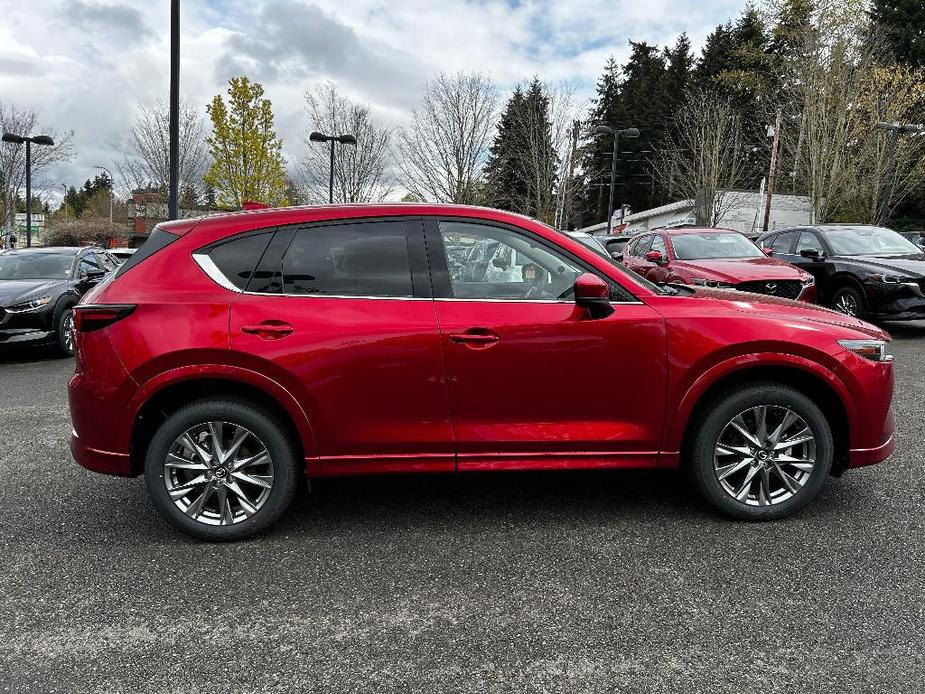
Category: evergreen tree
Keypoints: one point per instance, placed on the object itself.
(189, 197)
(505, 186)
(902, 22)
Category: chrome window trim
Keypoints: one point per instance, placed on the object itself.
(216, 275)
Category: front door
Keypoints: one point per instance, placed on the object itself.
(342, 314)
(534, 380)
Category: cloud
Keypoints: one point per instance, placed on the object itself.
(118, 20)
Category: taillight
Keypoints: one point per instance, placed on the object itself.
(94, 317)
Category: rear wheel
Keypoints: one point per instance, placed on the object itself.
(849, 301)
(221, 470)
(761, 452)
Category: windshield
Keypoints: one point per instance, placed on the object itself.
(36, 266)
(594, 244)
(869, 241)
(713, 246)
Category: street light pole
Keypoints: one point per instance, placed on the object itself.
(39, 140)
(894, 130)
(173, 196)
(108, 173)
(617, 134)
(344, 140)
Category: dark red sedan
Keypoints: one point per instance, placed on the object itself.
(720, 258)
(233, 354)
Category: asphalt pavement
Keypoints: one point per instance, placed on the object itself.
(520, 582)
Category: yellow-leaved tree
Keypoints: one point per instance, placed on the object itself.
(247, 159)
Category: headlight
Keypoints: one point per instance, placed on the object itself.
(716, 284)
(875, 350)
(891, 279)
(29, 305)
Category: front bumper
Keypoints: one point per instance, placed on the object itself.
(24, 335)
(859, 457)
(29, 326)
(899, 301)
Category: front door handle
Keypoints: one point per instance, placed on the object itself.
(268, 330)
(475, 338)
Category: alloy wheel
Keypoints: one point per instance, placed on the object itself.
(68, 329)
(764, 455)
(846, 303)
(218, 473)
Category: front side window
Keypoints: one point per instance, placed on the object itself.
(360, 259)
(658, 244)
(808, 242)
(88, 264)
(505, 265)
(641, 246)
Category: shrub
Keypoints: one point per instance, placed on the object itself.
(83, 232)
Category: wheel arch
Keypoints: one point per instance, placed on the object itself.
(839, 280)
(165, 394)
(822, 387)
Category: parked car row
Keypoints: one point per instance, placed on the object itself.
(862, 271)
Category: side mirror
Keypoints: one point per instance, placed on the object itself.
(654, 257)
(94, 275)
(768, 251)
(811, 253)
(593, 293)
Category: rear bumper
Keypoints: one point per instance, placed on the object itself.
(104, 462)
(859, 457)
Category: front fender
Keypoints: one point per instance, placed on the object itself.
(691, 396)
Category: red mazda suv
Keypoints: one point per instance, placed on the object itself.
(233, 353)
(720, 258)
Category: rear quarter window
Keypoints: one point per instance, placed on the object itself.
(158, 240)
(237, 258)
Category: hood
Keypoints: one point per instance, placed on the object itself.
(776, 307)
(16, 291)
(741, 269)
(910, 265)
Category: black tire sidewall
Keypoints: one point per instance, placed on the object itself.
(248, 415)
(721, 412)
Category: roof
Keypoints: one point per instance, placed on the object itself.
(677, 231)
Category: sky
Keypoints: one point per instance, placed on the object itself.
(87, 65)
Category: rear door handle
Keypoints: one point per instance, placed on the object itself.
(269, 330)
(482, 338)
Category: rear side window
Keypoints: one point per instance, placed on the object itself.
(359, 259)
(158, 240)
(236, 259)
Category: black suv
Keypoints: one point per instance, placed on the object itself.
(863, 271)
(40, 286)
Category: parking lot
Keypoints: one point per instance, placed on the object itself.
(479, 583)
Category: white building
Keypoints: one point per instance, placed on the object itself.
(744, 212)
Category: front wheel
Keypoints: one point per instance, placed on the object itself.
(849, 301)
(221, 469)
(761, 452)
(64, 332)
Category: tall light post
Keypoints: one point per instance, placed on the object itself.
(344, 140)
(108, 173)
(64, 200)
(173, 178)
(617, 134)
(895, 130)
(39, 140)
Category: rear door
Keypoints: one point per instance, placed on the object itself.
(343, 314)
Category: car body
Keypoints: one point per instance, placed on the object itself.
(720, 258)
(916, 237)
(40, 286)
(122, 254)
(615, 243)
(864, 271)
(339, 340)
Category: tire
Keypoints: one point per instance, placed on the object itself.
(223, 516)
(64, 332)
(720, 450)
(850, 301)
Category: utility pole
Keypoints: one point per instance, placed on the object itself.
(570, 206)
(894, 130)
(772, 173)
(174, 175)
